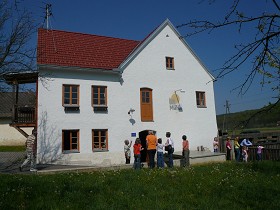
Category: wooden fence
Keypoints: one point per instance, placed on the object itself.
(269, 152)
(269, 140)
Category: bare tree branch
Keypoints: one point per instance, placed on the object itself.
(267, 34)
(16, 30)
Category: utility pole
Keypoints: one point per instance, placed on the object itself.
(225, 115)
(48, 13)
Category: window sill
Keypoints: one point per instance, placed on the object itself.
(170, 69)
(201, 106)
(100, 150)
(70, 151)
(71, 107)
(100, 108)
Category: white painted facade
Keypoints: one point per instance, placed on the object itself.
(9, 135)
(145, 67)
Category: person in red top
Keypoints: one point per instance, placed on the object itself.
(151, 140)
(137, 154)
(228, 146)
(186, 151)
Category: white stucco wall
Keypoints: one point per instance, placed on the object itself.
(146, 70)
(9, 136)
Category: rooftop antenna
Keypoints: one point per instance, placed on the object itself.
(48, 13)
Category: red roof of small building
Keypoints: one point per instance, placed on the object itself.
(63, 48)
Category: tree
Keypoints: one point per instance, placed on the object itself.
(262, 50)
(16, 30)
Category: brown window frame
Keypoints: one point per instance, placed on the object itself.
(99, 96)
(200, 99)
(71, 104)
(169, 63)
(71, 131)
(100, 148)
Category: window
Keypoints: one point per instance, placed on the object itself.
(99, 96)
(70, 95)
(146, 99)
(200, 99)
(99, 140)
(169, 62)
(70, 140)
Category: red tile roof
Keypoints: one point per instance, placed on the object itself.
(63, 48)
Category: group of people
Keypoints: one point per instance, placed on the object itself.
(241, 149)
(155, 146)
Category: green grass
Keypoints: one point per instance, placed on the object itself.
(20, 148)
(212, 186)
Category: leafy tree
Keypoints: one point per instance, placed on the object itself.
(16, 30)
(262, 50)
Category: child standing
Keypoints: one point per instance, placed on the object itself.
(244, 154)
(259, 152)
(216, 144)
(137, 147)
(160, 147)
(127, 152)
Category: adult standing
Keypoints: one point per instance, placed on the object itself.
(186, 151)
(170, 143)
(31, 146)
(246, 144)
(237, 149)
(228, 146)
(127, 151)
(151, 140)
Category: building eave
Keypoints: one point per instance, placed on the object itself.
(75, 68)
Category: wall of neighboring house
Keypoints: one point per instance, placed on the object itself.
(147, 70)
(9, 136)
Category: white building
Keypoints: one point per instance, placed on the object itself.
(97, 91)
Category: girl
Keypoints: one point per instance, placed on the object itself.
(137, 148)
(244, 154)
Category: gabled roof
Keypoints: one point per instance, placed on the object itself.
(69, 49)
(151, 36)
(7, 102)
(61, 48)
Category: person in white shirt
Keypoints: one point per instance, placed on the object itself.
(160, 149)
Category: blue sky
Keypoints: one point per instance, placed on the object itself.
(136, 19)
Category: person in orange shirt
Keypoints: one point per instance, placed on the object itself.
(137, 148)
(186, 151)
(151, 140)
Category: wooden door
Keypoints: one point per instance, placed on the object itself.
(146, 98)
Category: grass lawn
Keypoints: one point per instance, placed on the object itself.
(20, 148)
(211, 186)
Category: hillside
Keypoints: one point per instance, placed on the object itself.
(257, 118)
